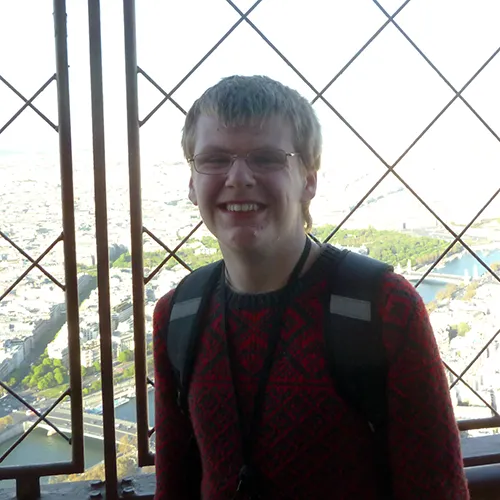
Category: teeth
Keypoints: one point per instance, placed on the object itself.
(244, 207)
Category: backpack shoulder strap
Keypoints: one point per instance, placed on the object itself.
(355, 352)
(189, 301)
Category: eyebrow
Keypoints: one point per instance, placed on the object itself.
(221, 149)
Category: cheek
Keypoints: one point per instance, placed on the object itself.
(207, 192)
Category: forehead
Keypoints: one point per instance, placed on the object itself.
(274, 132)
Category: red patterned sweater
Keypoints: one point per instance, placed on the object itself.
(310, 444)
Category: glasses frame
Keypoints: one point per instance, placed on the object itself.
(234, 157)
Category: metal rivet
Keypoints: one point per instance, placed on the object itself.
(96, 483)
(127, 480)
(128, 490)
(95, 494)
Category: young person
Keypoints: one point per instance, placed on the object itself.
(269, 422)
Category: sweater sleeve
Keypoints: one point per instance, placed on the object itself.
(173, 429)
(424, 440)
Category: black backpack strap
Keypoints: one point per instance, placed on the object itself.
(355, 351)
(189, 301)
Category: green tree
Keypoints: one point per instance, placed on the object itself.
(96, 386)
(470, 291)
(50, 379)
(43, 384)
(5, 422)
(39, 370)
(34, 380)
(447, 293)
(463, 328)
(58, 376)
(125, 356)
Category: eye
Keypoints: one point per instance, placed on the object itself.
(268, 158)
(207, 162)
(216, 158)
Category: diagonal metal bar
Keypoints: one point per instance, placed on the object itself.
(359, 52)
(199, 63)
(390, 169)
(166, 94)
(24, 254)
(171, 253)
(407, 150)
(32, 427)
(28, 103)
(33, 265)
(469, 387)
(33, 409)
(415, 46)
(459, 238)
(310, 85)
(457, 94)
(478, 355)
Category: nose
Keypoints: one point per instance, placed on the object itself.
(240, 174)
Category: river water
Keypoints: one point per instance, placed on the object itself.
(459, 267)
(38, 448)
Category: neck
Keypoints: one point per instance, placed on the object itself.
(266, 272)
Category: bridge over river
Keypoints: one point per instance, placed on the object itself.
(435, 277)
(92, 425)
(454, 279)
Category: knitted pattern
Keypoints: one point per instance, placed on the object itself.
(311, 444)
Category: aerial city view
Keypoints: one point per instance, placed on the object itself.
(451, 172)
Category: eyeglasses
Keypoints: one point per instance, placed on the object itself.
(259, 161)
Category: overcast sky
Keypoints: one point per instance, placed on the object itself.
(389, 94)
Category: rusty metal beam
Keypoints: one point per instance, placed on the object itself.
(28, 488)
(134, 165)
(68, 220)
(101, 221)
(479, 423)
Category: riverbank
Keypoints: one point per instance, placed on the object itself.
(13, 431)
(484, 250)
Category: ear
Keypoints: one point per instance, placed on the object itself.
(310, 183)
(192, 193)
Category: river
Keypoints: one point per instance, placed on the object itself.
(38, 448)
(459, 266)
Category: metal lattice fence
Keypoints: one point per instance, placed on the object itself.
(140, 76)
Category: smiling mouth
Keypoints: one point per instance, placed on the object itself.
(241, 207)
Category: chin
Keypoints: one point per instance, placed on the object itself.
(245, 240)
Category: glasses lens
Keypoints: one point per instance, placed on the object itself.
(212, 163)
(267, 159)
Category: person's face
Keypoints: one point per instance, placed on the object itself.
(245, 210)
